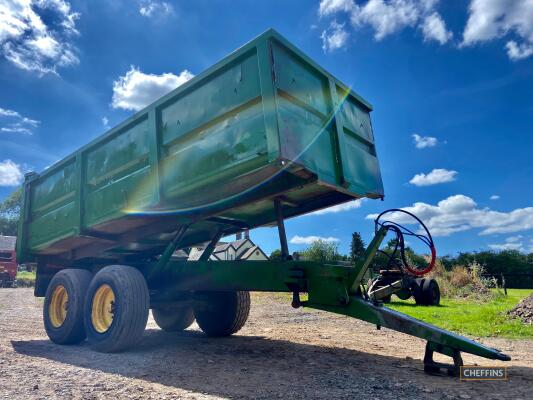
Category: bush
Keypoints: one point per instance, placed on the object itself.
(464, 282)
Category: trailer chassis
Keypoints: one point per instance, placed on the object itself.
(330, 287)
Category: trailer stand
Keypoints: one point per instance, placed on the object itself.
(278, 207)
(432, 367)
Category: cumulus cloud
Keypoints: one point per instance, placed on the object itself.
(310, 239)
(136, 90)
(351, 205)
(436, 176)
(494, 197)
(488, 20)
(421, 142)
(517, 51)
(434, 28)
(335, 37)
(12, 122)
(36, 35)
(151, 8)
(460, 213)
(328, 7)
(10, 173)
(514, 243)
(386, 17)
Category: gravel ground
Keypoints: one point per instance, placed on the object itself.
(280, 353)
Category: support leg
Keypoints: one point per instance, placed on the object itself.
(211, 246)
(281, 230)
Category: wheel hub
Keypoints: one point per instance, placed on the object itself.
(57, 310)
(103, 308)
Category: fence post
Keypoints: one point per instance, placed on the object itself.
(503, 284)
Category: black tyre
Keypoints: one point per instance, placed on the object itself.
(172, 318)
(386, 299)
(224, 313)
(431, 292)
(116, 308)
(64, 306)
(427, 292)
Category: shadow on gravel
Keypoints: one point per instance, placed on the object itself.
(244, 365)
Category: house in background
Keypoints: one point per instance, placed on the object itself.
(241, 249)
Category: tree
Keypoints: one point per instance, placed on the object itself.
(276, 255)
(9, 213)
(321, 251)
(357, 247)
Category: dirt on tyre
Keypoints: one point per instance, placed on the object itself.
(64, 306)
(116, 308)
(222, 313)
(173, 318)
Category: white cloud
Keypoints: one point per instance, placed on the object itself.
(386, 17)
(10, 173)
(514, 243)
(513, 239)
(421, 142)
(506, 246)
(310, 239)
(335, 37)
(136, 89)
(460, 213)
(434, 28)
(340, 207)
(517, 51)
(328, 7)
(493, 19)
(105, 122)
(494, 197)
(151, 8)
(36, 35)
(438, 175)
(12, 122)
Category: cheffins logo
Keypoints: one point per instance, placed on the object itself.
(474, 373)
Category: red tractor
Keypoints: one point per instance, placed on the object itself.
(8, 261)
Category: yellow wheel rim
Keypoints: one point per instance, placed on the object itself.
(57, 310)
(103, 308)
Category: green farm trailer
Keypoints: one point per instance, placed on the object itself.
(264, 135)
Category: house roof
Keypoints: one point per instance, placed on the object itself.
(180, 254)
(7, 243)
(251, 251)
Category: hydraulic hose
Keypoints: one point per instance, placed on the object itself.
(402, 231)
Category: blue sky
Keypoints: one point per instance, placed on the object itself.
(459, 75)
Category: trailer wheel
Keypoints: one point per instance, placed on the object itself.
(116, 308)
(173, 319)
(224, 314)
(63, 306)
(427, 292)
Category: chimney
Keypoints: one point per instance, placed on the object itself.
(247, 234)
(239, 236)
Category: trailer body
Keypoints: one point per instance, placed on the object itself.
(264, 122)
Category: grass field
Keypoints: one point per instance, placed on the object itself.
(480, 319)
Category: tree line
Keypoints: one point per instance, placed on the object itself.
(493, 262)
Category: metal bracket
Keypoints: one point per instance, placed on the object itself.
(171, 248)
(434, 368)
(211, 246)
